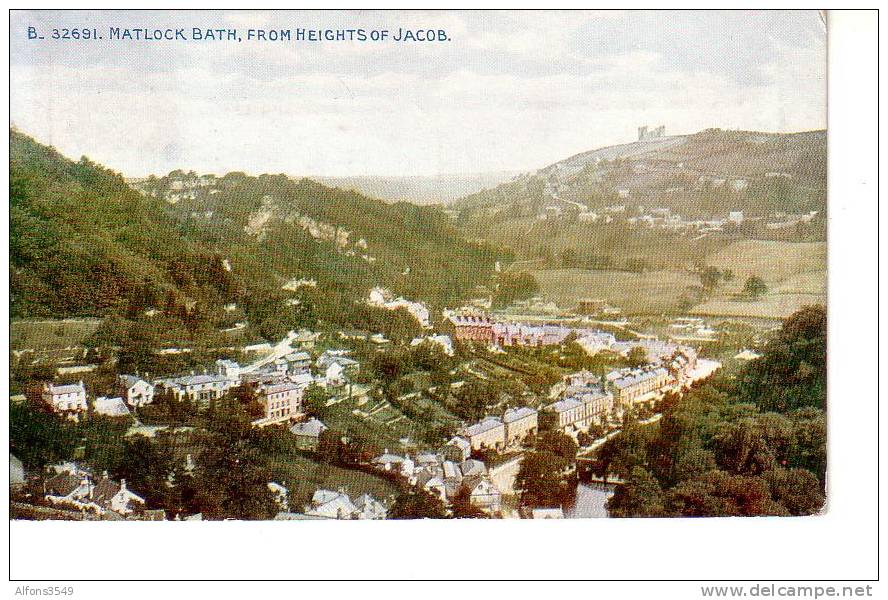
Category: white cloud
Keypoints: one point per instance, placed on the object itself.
(278, 108)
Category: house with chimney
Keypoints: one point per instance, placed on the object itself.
(135, 390)
(72, 487)
(281, 402)
(67, 399)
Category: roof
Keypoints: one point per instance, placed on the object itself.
(485, 424)
(566, 404)
(331, 504)
(277, 388)
(514, 414)
(104, 490)
(196, 380)
(111, 407)
(298, 356)
(130, 380)
(302, 379)
(460, 442)
(450, 469)
(427, 457)
(62, 484)
(472, 467)
(312, 428)
(72, 388)
(637, 376)
(389, 458)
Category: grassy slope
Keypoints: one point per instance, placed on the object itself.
(795, 274)
(651, 292)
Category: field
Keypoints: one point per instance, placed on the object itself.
(794, 272)
(774, 262)
(634, 293)
(302, 476)
(772, 306)
(50, 334)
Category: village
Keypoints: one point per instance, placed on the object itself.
(475, 465)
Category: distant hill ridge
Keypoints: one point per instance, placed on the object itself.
(439, 189)
(669, 168)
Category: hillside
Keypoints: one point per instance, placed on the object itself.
(82, 243)
(703, 174)
(621, 202)
(610, 221)
(85, 243)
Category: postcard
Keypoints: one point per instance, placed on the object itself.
(368, 265)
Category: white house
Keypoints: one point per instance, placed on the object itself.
(73, 487)
(308, 434)
(443, 341)
(383, 298)
(228, 369)
(110, 495)
(136, 391)
(370, 508)
(331, 505)
(387, 461)
(461, 448)
(198, 388)
(483, 493)
(70, 398)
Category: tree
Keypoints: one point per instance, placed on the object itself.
(330, 447)
(636, 357)
(792, 372)
(314, 400)
(709, 278)
(542, 480)
(147, 464)
(417, 504)
(39, 438)
(720, 494)
(809, 448)
(557, 442)
(515, 286)
(796, 489)
(231, 476)
(463, 507)
(755, 287)
(232, 482)
(622, 453)
(247, 396)
(640, 496)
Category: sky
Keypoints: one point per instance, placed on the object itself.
(509, 91)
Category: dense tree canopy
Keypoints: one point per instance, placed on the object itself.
(755, 446)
